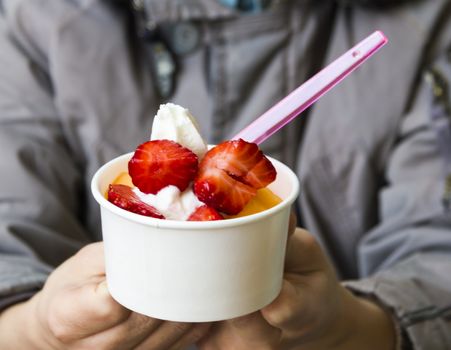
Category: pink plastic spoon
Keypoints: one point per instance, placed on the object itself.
(308, 93)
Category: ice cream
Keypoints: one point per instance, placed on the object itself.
(175, 178)
(169, 201)
(176, 123)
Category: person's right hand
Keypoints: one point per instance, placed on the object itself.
(75, 311)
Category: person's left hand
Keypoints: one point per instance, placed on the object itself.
(312, 312)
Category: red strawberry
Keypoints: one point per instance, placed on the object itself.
(159, 163)
(230, 174)
(123, 197)
(205, 213)
(261, 175)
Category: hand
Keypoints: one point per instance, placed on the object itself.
(312, 312)
(75, 311)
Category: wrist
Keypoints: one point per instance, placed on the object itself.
(364, 325)
(14, 330)
(20, 328)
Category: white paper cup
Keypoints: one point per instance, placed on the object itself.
(194, 271)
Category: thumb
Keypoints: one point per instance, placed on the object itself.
(85, 310)
(304, 255)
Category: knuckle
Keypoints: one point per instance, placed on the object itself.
(59, 327)
(198, 332)
(107, 309)
(181, 327)
(274, 317)
(278, 313)
(143, 324)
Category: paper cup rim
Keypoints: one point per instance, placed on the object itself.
(189, 225)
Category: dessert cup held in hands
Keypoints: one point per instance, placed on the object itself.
(192, 271)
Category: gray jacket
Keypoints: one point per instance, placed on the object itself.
(77, 89)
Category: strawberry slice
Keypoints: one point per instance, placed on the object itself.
(230, 174)
(159, 163)
(205, 213)
(123, 197)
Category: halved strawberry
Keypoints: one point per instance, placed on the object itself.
(205, 213)
(261, 175)
(230, 174)
(123, 197)
(159, 163)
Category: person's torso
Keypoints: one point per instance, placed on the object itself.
(243, 64)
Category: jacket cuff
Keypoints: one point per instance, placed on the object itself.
(19, 280)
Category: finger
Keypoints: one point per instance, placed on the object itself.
(91, 259)
(246, 332)
(286, 308)
(167, 334)
(254, 329)
(307, 279)
(86, 265)
(126, 335)
(82, 311)
(304, 255)
(197, 332)
(302, 309)
(297, 310)
(88, 262)
(304, 265)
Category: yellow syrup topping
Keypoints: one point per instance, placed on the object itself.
(123, 179)
(264, 200)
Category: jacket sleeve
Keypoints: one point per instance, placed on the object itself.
(39, 182)
(406, 259)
